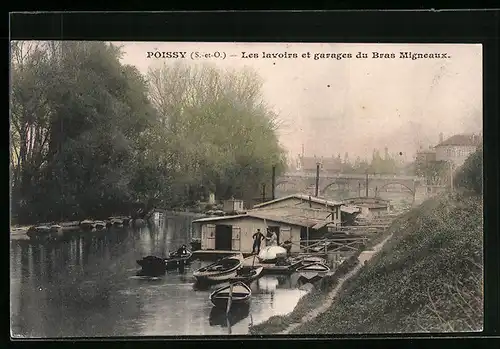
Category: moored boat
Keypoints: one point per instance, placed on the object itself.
(248, 273)
(87, 225)
(313, 270)
(152, 266)
(220, 271)
(56, 231)
(116, 222)
(41, 231)
(305, 260)
(237, 293)
(100, 225)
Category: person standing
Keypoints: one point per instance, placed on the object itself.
(257, 239)
(273, 238)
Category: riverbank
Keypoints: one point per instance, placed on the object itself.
(427, 278)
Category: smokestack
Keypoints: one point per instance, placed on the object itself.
(302, 149)
(273, 183)
(441, 137)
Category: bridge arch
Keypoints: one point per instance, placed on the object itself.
(401, 184)
(340, 184)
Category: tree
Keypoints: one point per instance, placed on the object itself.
(79, 119)
(470, 174)
(221, 135)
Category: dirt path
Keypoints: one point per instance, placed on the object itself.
(363, 257)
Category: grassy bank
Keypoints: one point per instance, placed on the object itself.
(428, 277)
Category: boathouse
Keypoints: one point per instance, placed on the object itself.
(234, 233)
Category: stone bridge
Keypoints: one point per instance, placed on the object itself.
(305, 181)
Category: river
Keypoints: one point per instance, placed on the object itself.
(87, 287)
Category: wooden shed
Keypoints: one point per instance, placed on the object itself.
(234, 233)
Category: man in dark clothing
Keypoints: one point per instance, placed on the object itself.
(257, 239)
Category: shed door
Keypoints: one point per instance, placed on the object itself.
(285, 234)
(236, 238)
(208, 237)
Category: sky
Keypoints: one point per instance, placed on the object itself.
(331, 106)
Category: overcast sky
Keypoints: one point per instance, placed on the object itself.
(353, 105)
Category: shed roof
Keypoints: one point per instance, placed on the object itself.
(301, 197)
(292, 219)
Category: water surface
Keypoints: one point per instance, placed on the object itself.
(87, 287)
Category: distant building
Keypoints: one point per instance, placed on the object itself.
(457, 148)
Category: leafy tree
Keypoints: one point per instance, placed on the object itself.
(78, 117)
(222, 136)
(470, 174)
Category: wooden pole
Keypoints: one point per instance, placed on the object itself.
(230, 300)
(366, 183)
(316, 192)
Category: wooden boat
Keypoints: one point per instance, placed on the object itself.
(100, 225)
(313, 270)
(116, 222)
(269, 254)
(87, 225)
(152, 266)
(239, 294)
(247, 273)
(220, 271)
(56, 231)
(305, 260)
(39, 232)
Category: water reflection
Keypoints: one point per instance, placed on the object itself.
(87, 286)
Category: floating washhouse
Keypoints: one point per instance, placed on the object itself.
(293, 218)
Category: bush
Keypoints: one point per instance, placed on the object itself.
(470, 175)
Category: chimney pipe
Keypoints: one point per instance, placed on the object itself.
(273, 183)
(441, 137)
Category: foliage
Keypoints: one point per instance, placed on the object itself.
(92, 137)
(221, 135)
(470, 175)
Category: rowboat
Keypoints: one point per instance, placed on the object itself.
(313, 270)
(238, 292)
(305, 260)
(56, 231)
(116, 222)
(39, 232)
(100, 225)
(175, 259)
(220, 271)
(152, 266)
(269, 254)
(87, 224)
(247, 273)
